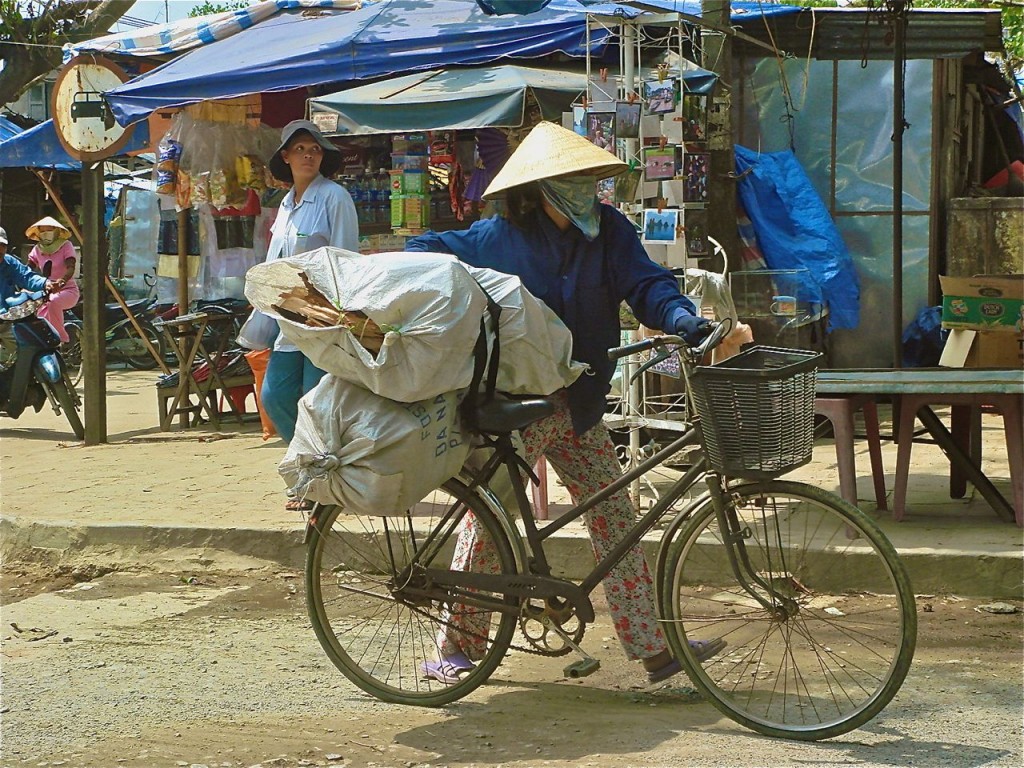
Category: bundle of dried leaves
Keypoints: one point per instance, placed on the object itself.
(307, 305)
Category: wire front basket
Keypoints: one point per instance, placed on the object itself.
(757, 411)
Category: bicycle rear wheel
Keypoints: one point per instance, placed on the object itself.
(371, 605)
(837, 644)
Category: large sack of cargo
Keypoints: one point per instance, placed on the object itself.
(369, 454)
(404, 325)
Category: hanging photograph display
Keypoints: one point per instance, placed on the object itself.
(695, 176)
(601, 129)
(606, 191)
(660, 96)
(627, 120)
(579, 120)
(659, 163)
(627, 185)
(695, 232)
(660, 226)
(694, 117)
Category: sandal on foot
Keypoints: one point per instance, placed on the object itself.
(299, 505)
(702, 649)
(448, 670)
(705, 649)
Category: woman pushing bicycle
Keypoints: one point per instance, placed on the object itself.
(582, 259)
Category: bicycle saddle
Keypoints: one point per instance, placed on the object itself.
(497, 416)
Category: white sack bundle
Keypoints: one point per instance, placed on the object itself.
(535, 356)
(429, 306)
(372, 455)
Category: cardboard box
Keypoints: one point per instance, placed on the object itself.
(966, 348)
(992, 303)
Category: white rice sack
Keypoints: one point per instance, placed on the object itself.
(427, 304)
(535, 355)
(372, 455)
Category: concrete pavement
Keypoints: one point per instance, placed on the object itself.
(200, 498)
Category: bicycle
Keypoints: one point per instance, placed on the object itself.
(815, 605)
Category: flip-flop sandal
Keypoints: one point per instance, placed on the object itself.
(702, 649)
(448, 670)
(299, 505)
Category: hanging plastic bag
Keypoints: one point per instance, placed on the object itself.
(371, 455)
(258, 360)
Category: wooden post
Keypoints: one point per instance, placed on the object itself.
(716, 47)
(94, 269)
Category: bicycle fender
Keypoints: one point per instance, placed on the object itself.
(48, 368)
(506, 519)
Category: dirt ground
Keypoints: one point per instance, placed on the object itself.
(196, 668)
(171, 657)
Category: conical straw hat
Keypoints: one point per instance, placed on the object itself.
(32, 233)
(550, 150)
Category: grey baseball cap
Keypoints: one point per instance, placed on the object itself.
(3, 236)
(332, 155)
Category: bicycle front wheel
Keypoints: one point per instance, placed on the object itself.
(376, 612)
(824, 636)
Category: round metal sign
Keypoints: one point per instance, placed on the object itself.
(85, 125)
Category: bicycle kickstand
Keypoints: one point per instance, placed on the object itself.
(588, 665)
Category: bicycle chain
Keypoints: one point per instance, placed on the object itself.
(477, 636)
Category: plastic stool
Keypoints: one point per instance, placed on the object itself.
(839, 411)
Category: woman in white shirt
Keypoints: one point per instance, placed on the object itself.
(315, 212)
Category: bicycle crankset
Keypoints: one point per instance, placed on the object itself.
(538, 621)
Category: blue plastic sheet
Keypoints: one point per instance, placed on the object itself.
(39, 147)
(795, 231)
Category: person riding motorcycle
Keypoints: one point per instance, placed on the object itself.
(16, 278)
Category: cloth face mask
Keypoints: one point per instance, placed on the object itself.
(576, 199)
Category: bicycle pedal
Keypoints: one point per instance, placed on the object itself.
(582, 668)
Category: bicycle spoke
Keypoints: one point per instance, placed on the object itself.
(839, 640)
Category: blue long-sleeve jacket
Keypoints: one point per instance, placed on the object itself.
(14, 276)
(583, 282)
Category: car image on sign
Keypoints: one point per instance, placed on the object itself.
(90, 104)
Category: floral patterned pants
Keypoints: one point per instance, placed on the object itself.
(586, 464)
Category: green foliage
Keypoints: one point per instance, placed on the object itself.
(1013, 18)
(205, 9)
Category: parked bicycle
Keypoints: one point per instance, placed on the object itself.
(814, 602)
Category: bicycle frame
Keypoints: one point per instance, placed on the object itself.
(539, 583)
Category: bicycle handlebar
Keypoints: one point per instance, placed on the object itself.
(718, 332)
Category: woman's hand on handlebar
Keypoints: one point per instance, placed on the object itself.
(692, 328)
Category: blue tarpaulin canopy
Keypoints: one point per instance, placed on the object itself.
(39, 147)
(293, 50)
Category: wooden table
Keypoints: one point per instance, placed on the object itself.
(966, 390)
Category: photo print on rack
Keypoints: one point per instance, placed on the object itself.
(660, 226)
(659, 163)
(695, 231)
(694, 117)
(627, 120)
(660, 96)
(601, 129)
(695, 173)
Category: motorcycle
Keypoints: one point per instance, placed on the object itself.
(122, 340)
(38, 372)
